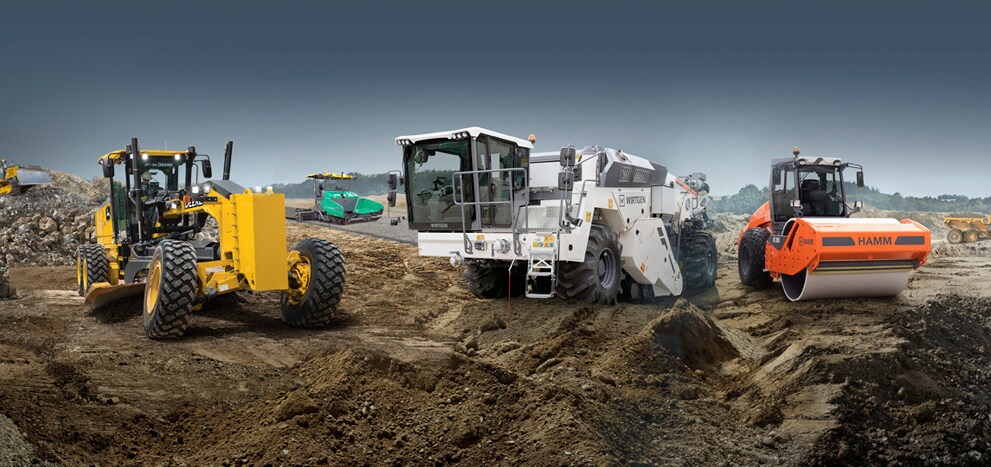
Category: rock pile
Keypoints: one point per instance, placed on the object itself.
(46, 225)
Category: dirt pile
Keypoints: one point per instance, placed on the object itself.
(927, 403)
(47, 224)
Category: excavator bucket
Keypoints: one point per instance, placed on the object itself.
(101, 294)
(844, 257)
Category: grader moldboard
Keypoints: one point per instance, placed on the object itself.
(152, 237)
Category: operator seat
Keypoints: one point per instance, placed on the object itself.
(813, 198)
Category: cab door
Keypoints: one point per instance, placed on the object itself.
(501, 191)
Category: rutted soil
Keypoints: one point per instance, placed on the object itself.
(422, 372)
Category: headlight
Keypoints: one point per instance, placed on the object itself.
(144, 156)
(258, 189)
(206, 188)
(196, 189)
(174, 205)
(178, 157)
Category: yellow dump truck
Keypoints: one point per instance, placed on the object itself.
(968, 229)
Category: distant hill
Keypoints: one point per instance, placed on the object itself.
(749, 198)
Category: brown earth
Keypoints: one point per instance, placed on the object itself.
(421, 372)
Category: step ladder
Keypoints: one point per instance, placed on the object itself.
(541, 274)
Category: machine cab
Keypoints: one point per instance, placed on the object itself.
(464, 180)
(809, 187)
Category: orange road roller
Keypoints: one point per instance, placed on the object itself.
(804, 237)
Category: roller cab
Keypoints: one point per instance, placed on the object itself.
(804, 237)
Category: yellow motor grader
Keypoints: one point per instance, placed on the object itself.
(153, 236)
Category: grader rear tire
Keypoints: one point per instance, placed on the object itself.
(750, 262)
(971, 236)
(170, 290)
(91, 267)
(316, 284)
(699, 261)
(487, 281)
(598, 278)
(954, 236)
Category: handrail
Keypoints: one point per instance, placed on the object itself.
(457, 188)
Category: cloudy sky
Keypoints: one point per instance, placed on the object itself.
(903, 89)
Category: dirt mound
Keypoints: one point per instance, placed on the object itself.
(927, 403)
(686, 333)
(47, 224)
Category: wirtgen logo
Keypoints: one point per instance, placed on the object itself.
(865, 241)
(633, 199)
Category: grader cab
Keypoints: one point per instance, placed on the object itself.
(153, 237)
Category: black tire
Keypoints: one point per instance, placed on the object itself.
(598, 278)
(317, 306)
(91, 267)
(170, 292)
(751, 258)
(954, 236)
(493, 281)
(971, 236)
(699, 261)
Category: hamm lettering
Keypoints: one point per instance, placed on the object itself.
(865, 241)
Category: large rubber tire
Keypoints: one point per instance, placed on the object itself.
(971, 236)
(598, 278)
(170, 291)
(318, 305)
(699, 261)
(91, 267)
(750, 260)
(954, 236)
(493, 281)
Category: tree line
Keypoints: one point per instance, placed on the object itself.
(749, 198)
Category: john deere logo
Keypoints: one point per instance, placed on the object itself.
(865, 241)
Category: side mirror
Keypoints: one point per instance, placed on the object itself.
(207, 169)
(568, 157)
(565, 181)
(108, 168)
(860, 178)
(858, 204)
(393, 182)
(391, 197)
(796, 203)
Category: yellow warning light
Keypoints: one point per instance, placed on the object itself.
(532, 138)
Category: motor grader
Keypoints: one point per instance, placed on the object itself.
(152, 236)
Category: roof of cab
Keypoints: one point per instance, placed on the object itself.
(474, 131)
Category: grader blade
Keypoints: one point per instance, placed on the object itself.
(103, 294)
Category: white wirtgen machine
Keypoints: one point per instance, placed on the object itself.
(589, 224)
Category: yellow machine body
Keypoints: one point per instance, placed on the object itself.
(251, 232)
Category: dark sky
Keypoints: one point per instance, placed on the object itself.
(697, 86)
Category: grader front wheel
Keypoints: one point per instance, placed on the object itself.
(316, 283)
(91, 267)
(170, 290)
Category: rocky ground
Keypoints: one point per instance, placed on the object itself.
(421, 372)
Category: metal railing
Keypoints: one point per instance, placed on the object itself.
(457, 186)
